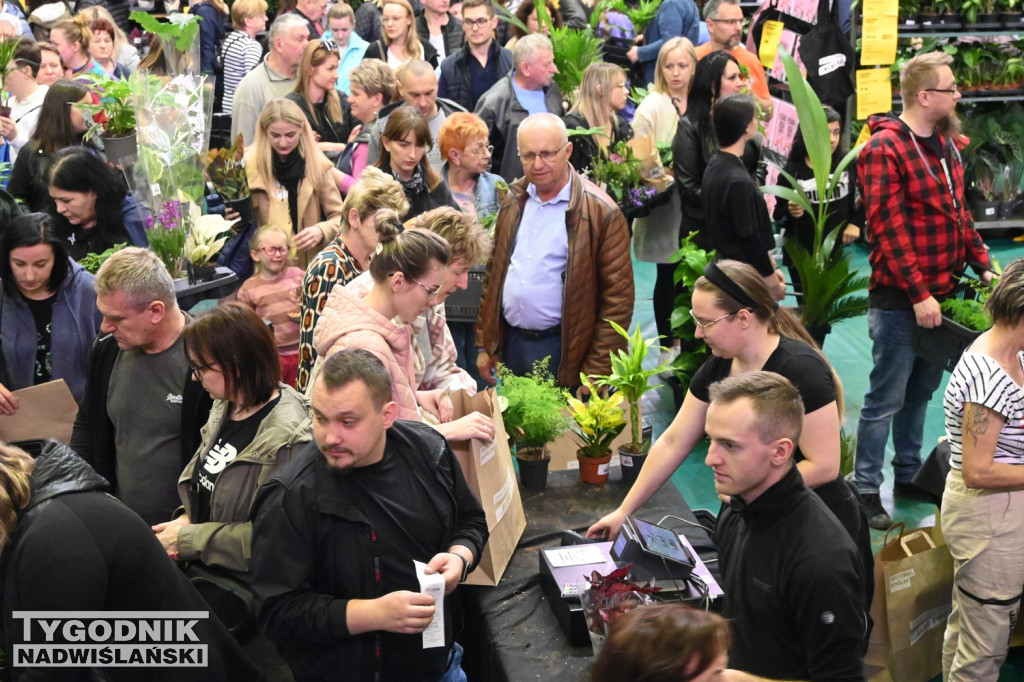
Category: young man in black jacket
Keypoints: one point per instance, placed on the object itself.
(792, 576)
(337, 530)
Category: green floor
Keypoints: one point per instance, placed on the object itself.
(849, 349)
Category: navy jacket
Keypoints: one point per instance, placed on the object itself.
(456, 84)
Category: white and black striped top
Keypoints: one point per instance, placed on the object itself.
(241, 53)
(981, 380)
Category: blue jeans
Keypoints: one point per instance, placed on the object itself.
(455, 672)
(901, 386)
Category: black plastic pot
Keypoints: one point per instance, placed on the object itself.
(951, 21)
(985, 210)
(987, 22)
(929, 21)
(630, 465)
(1005, 211)
(533, 473)
(244, 209)
(1010, 20)
(943, 345)
(119, 148)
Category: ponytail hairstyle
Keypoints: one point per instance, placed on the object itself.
(16, 467)
(407, 251)
(746, 289)
(76, 30)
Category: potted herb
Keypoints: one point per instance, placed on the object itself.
(532, 413)
(963, 320)
(832, 286)
(597, 422)
(631, 380)
(608, 597)
(226, 169)
(111, 116)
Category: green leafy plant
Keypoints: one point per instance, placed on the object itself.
(630, 378)
(969, 313)
(691, 260)
(92, 261)
(640, 14)
(113, 114)
(227, 170)
(574, 51)
(181, 31)
(597, 422)
(532, 409)
(619, 172)
(8, 47)
(831, 284)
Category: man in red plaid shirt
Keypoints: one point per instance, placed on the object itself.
(922, 237)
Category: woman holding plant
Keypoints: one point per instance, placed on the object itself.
(95, 210)
(603, 94)
(656, 237)
(290, 180)
(747, 331)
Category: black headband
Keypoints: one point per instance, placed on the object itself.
(714, 274)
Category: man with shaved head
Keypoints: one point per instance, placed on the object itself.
(552, 286)
(417, 86)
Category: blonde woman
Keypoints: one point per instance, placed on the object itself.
(125, 53)
(656, 237)
(603, 94)
(72, 38)
(373, 85)
(319, 100)
(291, 180)
(399, 43)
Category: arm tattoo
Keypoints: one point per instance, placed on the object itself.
(975, 421)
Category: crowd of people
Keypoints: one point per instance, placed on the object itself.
(296, 439)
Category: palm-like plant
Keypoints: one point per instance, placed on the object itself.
(8, 46)
(831, 285)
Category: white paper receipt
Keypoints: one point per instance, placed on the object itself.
(576, 555)
(433, 585)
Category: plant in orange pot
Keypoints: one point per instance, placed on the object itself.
(596, 424)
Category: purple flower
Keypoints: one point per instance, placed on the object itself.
(638, 196)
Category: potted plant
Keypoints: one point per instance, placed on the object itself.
(963, 320)
(226, 169)
(691, 260)
(607, 598)
(8, 46)
(631, 380)
(597, 423)
(111, 115)
(207, 235)
(832, 286)
(532, 413)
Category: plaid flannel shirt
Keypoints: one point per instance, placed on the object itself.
(921, 238)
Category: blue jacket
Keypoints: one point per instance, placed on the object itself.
(212, 29)
(76, 321)
(456, 84)
(132, 213)
(485, 193)
(349, 60)
(673, 18)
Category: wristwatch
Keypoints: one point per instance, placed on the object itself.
(465, 567)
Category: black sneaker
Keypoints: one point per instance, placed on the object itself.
(912, 492)
(878, 518)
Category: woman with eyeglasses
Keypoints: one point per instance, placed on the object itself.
(467, 156)
(399, 43)
(403, 155)
(324, 107)
(48, 316)
(603, 94)
(408, 270)
(256, 425)
(291, 181)
(747, 331)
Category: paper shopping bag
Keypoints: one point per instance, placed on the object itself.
(913, 598)
(487, 467)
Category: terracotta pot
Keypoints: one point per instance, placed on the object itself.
(594, 469)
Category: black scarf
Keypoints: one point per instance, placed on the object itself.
(414, 185)
(289, 171)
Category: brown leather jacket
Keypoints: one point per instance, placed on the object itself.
(598, 278)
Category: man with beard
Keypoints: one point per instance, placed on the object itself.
(725, 28)
(336, 532)
(921, 237)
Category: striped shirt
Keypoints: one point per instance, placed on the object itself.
(274, 299)
(241, 53)
(981, 380)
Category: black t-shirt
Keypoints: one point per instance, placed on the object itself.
(403, 515)
(735, 215)
(42, 313)
(233, 437)
(794, 360)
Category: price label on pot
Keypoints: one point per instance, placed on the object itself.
(602, 469)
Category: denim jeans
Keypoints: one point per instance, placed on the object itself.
(455, 672)
(519, 354)
(901, 385)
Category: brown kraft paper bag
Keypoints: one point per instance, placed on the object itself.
(913, 598)
(487, 467)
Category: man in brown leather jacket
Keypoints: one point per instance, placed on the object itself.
(561, 266)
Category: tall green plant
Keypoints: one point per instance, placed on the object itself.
(630, 378)
(691, 260)
(831, 284)
(8, 46)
